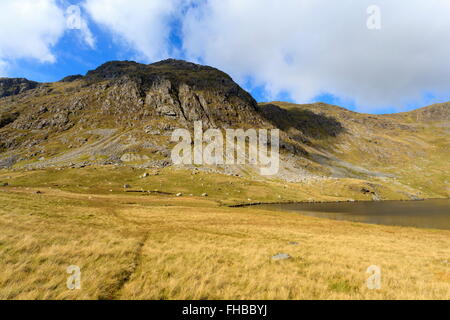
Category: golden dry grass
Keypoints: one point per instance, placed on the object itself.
(155, 247)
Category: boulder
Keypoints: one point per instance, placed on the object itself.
(281, 256)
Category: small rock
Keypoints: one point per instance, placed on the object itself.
(179, 194)
(126, 186)
(281, 256)
(145, 175)
(293, 243)
(204, 195)
(38, 192)
(5, 184)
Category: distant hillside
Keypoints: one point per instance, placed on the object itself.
(437, 112)
(412, 147)
(11, 86)
(123, 113)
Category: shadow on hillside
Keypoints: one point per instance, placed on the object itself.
(310, 124)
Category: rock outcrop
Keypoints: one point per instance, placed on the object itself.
(175, 89)
(13, 86)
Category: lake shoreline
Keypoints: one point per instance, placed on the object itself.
(429, 214)
(243, 205)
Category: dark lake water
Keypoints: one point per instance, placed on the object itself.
(433, 214)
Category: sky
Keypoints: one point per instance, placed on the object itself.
(374, 56)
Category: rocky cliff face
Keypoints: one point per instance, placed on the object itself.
(175, 89)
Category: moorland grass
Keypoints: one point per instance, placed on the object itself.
(159, 246)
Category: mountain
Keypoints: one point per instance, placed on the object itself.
(123, 113)
(120, 107)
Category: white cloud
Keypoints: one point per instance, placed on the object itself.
(308, 47)
(302, 47)
(87, 35)
(142, 24)
(29, 28)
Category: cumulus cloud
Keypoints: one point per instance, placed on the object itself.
(301, 47)
(142, 24)
(310, 47)
(31, 28)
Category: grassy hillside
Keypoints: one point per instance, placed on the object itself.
(159, 246)
(407, 149)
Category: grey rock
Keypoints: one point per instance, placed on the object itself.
(281, 256)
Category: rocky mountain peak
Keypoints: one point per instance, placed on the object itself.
(114, 69)
(175, 89)
(179, 64)
(176, 71)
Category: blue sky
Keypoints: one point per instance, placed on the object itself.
(267, 48)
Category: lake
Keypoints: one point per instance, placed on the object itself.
(433, 214)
